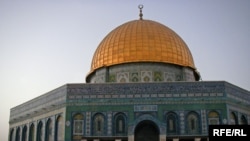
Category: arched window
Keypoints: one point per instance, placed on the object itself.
(98, 124)
(172, 123)
(192, 123)
(78, 124)
(213, 118)
(169, 77)
(233, 118)
(123, 77)
(39, 136)
(134, 76)
(32, 133)
(243, 120)
(59, 129)
(48, 131)
(12, 138)
(18, 134)
(24, 133)
(120, 124)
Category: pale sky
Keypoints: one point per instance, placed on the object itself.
(45, 44)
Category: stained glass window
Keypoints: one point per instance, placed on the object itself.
(171, 123)
(193, 123)
(98, 124)
(119, 124)
(213, 118)
(78, 124)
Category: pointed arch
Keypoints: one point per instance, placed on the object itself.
(120, 125)
(243, 120)
(11, 137)
(17, 134)
(193, 123)
(48, 130)
(99, 124)
(233, 118)
(213, 118)
(39, 135)
(172, 123)
(32, 132)
(59, 129)
(147, 130)
(78, 124)
(24, 133)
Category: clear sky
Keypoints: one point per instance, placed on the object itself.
(45, 44)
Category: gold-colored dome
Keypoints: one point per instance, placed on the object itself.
(142, 41)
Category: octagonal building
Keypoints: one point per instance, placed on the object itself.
(142, 86)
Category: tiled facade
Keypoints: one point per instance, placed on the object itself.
(142, 72)
(113, 111)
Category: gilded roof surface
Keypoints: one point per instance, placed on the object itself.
(142, 41)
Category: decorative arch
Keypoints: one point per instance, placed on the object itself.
(98, 124)
(213, 118)
(17, 134)
(146, 76)
(169, 76)
(59, 129)
(193, 123)
(32, 132)
(78, 124)
(147, 130)
(48, 130)
(39, 135)
(233, 118)
(120, 126)
(12, 137)
(172, 123)
(123, 77)
(160, 126)
(243, 120)
(24, 133)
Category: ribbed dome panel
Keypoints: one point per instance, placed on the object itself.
(142, 41)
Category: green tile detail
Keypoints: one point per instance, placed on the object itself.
(158, 76)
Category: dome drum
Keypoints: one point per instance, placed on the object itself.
(141, 72)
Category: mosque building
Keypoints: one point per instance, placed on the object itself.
(142, 86)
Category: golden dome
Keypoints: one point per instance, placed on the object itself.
(142, 41)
